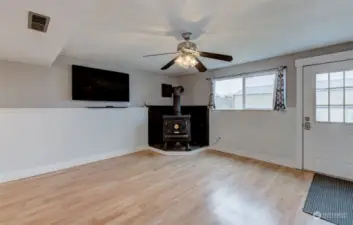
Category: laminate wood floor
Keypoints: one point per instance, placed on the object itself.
(145, 188)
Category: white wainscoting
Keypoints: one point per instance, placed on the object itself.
(36, 141)
(264, 135)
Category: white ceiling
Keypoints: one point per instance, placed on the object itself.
(18, 43)
(123, 31)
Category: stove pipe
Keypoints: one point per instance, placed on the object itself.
(176, 99)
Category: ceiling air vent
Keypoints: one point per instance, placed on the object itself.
(38, 22)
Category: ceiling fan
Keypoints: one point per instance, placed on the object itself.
(188, 55)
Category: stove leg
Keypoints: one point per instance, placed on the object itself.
(165, 145)
(187, 147)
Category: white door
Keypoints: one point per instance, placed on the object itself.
(328, 118)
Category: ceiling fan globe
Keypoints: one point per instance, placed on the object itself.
(189, 55)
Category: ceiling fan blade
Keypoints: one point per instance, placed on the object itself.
(169, 64)
(200, 66)
(168, 53)
(211, 55)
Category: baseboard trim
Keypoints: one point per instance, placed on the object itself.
(274, 159)
(20, 174)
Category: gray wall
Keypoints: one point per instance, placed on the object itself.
(33, 86)
(264, 135)
(43, 130)
(197, 87)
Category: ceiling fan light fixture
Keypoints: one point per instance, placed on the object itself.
(179, 60)
(193, 62)
(189, 55)
(187, 58)
(186, 61)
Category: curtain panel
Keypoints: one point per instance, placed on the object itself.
(280, 96)
(211, 100)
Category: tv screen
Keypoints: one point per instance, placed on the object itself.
(99, 85)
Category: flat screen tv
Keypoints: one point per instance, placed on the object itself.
(91, 84)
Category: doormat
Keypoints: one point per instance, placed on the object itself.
(330, 199)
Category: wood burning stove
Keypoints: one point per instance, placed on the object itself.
(176, 128)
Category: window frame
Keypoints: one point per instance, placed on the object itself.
(243, 77)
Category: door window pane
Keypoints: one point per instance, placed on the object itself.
(336, 96)
(322, 113)
(336, 114)
(321, 80)
(336, 79)
(322, 97)
(349, 115)
(349, 96)
(349, 78)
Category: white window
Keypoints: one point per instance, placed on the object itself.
(334, 97)
(255, 91)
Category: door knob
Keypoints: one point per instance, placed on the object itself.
(307, 125)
